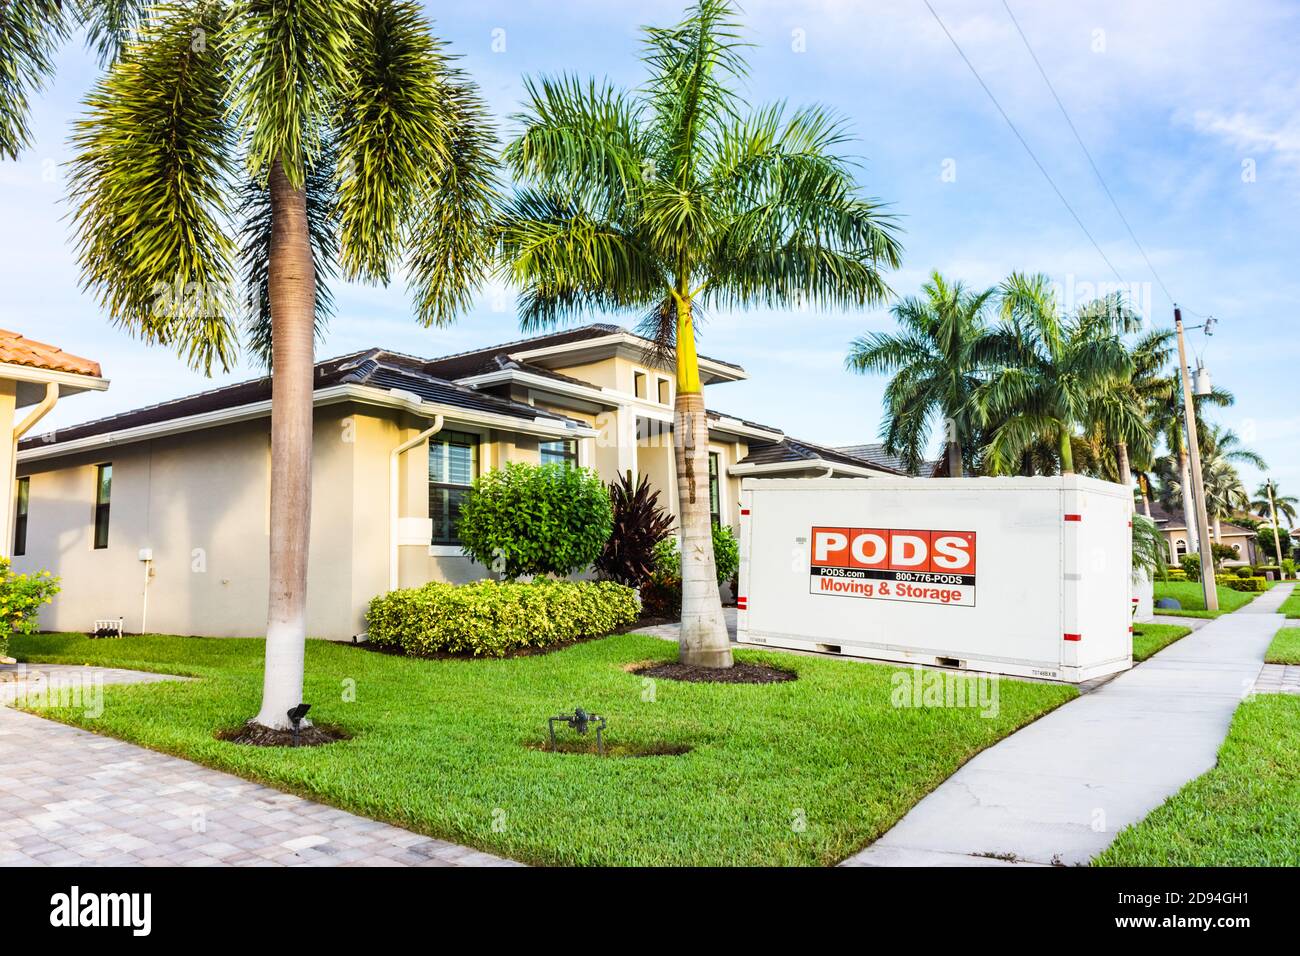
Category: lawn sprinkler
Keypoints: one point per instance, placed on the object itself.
(296, 715)
(580, 721)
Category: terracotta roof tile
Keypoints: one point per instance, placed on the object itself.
(17, 350)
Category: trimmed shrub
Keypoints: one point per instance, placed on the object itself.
(1253, 584)
(21, 597)
(491, 618)
(535, 519)
(1246, 572)
(1191, 566)
(1174, 574)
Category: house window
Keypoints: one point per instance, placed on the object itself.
(103, 495)
(20, 516)
(715, 492)
(562, 452)
(1180, 547)
(639, 384)
(453, 464)
(665, 392)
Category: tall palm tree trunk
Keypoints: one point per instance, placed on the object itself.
(1067, 452)
(954, 460)
(703, 639)
(1146, 495)
(292, 294)
(1125, 469)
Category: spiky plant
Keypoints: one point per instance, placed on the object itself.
(263, 144)
(639, 524)
(674, 198)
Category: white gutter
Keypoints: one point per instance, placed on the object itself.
(832, 468)
(74, 381)
(368, 395)
(720, 370)
(393, 488)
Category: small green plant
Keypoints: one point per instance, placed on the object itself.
(1191, 564)
(536, 519)
(21, 597)
(1221, 553)
(1288, 567)
(492, 618)
(1149, 552)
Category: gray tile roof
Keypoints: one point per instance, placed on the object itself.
(877, 455)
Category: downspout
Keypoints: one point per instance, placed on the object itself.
(22, 428)
(393, 488)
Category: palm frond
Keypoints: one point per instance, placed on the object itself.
(153, 163)
(111, 24)
(289, 62)
(30, 34)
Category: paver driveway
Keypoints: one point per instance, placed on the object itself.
(69, 797)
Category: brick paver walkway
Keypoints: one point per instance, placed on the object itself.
(1278, 679)
(69, 797)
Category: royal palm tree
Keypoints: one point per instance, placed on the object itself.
(935, 359)
(1225, 494)
(1286, 505)
(670, 199)
(276, 137)
(1053, 373)
(1166, 417)
(31, 32)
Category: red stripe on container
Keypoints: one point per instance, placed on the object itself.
(1074, 517)
(1074, 637)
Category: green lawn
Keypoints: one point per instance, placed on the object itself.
(1244, 812)
(1291, 606)
(1192, 598)
(1149, 638)
(803, 772)
(1285, 648)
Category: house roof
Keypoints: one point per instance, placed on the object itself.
(795, 451)
(1173, 521)
(877, 455)
(377, 368)
(480, 361)
(16, 349)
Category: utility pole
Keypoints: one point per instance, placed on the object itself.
(1208, 584)
(1272, 510)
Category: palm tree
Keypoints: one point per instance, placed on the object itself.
(935, 359)
(1166, 416)
(1224, 493)
(323, 133)
(31, 32)
(1286, 505)
(1053, 373)
(667, 200)
(1220, 442)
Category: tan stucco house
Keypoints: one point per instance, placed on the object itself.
(159, 516)
(1174, 528)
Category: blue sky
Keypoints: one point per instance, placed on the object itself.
(1190, 109)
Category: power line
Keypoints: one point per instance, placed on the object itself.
(1041, 168)
(1079, 139)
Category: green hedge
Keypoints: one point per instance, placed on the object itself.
(491, 619)
(1252, 584)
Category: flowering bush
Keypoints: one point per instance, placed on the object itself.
(21, 596)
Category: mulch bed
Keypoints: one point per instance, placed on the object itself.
(738, 673)
(255, 735)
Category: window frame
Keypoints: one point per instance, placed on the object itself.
(664, 390)
(22, 509)
(103, 507)
(641, 384)
(568, 457)
(714, 468)
(474, 441)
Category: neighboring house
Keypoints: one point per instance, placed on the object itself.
(181, 546)
(1174, 528)
(33, 377)
(938, 468)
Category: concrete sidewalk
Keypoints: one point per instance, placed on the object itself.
(1058, 791)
